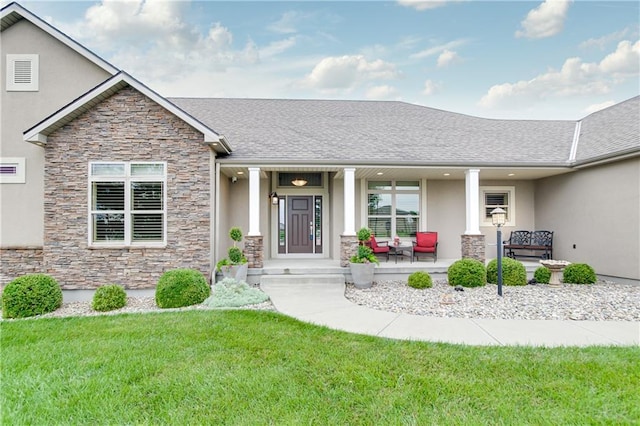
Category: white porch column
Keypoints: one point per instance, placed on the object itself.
(349, 201)
(254, 201)
(472, 195)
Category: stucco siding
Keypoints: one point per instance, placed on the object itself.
(597, 210)
(63, 76)
(446, 215)
(126, 127)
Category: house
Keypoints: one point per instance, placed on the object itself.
(105, 181)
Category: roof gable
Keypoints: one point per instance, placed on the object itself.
(38, 133)
(13, 13)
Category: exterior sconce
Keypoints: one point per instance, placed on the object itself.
(274, 198)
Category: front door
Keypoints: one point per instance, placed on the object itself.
(300, 220)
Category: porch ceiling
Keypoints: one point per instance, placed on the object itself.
(407, 172)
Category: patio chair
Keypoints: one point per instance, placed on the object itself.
(426, 243)
(378, 247)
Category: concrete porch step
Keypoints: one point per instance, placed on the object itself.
(298, 280)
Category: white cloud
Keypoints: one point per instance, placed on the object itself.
(430, 87)
(574, 78)
(435, 50)
(602, 42)
(277, 47)
(545, 20)
(380, 93)
(424, 4)
(347, 72)
(447, 57)
(287, 24)
(597, 107)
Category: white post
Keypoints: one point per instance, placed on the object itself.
(349, 202)
(472, 196)
(254, 201)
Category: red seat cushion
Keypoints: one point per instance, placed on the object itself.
(376, 248)
(426, 240)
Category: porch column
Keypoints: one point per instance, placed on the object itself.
(349, 202)
(348, 242)
(473, 242)
(254, 201)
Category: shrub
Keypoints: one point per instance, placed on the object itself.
(579, 273)
(29, 295)
(467, 273)
(235, 255)
(231, 293)
(364, 255)
(109, 297)
(364, 234)
(181, 287)
(542, 275)
(420, 279)
(235, 234)
(513, 272)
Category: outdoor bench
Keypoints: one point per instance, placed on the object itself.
(527, 243)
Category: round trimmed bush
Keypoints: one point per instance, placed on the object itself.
(235, 234)
(109, 297)
(420, 279)
(467, 273)
(513, 272)
(30, 295)
(181, 287)
(579, 273)
(542, 275)
(235, 255)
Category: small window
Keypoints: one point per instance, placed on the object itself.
(12, 170)
(127, 204)
(22, 73)
(498, 196)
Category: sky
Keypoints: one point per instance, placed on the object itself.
(550, 59)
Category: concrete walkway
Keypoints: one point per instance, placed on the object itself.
(324, 304)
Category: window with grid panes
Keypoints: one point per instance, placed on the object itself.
(393, 208)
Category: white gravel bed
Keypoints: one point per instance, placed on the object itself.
(602, 301)
(134, 305)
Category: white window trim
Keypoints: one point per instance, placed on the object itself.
(20, 176)
(393, 192)
(11, 84)
(512, 203)
(127, 179)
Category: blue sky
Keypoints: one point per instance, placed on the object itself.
(507, 59)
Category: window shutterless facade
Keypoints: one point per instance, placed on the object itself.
(127, 203)
(498, 196)
(393, 208)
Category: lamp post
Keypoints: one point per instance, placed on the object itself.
(498, 218)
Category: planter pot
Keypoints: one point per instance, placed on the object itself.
(238, 272)
(362, 274)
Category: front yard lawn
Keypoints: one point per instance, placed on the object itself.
(252, 367)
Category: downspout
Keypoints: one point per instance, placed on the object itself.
(215, 215)
(574, 144)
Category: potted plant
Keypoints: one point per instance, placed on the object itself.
(235, 266)
(362, 264)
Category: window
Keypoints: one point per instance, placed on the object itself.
(12, 170)
(498, 196)
(127, 203)
(393, 208)
(22, 73)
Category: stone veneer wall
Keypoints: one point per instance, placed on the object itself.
(128, 126)
(348, 248)
(473, 247)
(18, 261)
(254, 251)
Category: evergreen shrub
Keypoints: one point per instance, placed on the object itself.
(30, 295)
(181, 287)
(579, 273)
(109, 297)
(420, 279)
(542, 275)
(513, 272)
(467, 273)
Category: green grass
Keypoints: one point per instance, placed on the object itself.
(249, 367)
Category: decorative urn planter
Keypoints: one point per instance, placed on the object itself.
(362, 274)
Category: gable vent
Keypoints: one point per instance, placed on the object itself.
(22, 73)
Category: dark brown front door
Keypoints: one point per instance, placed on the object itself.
(300, 218)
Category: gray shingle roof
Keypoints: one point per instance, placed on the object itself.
(377, 132)
(609, 132)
